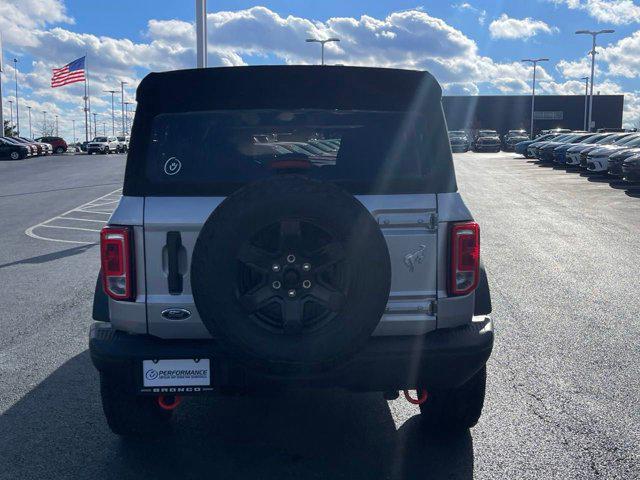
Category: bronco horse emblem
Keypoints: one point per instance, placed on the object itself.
(412, 259)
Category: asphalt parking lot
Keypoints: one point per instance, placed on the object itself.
(561, 250)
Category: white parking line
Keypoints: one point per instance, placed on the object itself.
(43, 225)
(81, 219)
(85, 208)
(89, 211)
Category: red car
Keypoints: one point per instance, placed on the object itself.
(58, 144)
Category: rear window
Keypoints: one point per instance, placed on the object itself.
(225, 149)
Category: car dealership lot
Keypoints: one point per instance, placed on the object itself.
(561, 252)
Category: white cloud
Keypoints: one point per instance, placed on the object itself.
(467, 7)
(405, 39)
(617, 12)
(631, 112)
(462, 88)
(505, 27)
(21, 19)
(623, 57)
(577, 69)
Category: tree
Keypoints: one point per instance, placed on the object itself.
(9, 130)
(48, 128)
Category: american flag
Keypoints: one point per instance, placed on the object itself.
(70, 73)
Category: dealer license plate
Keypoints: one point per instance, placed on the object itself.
(176, 373)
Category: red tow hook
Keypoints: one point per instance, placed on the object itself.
(417, 401)
(169, 402)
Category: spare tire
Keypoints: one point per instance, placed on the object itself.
(291, 275)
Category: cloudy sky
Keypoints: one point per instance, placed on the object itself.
(472, 47)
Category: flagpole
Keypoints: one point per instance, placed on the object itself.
(88, 88)
(86, 98)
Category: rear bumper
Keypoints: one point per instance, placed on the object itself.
(444, 358)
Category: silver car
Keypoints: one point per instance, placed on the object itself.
(106, 144)
(227, 267)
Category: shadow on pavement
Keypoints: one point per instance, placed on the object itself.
(69, 252)
(57, 431)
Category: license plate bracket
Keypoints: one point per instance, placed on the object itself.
(175, 376)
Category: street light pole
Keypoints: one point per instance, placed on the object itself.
(11, 114)
(322, 42)
(122, 84)
(593, 65)
(57, 135)
(30, 131)
(586, 98)
(534, 62)
(113, 115)
(95, 125)
(73, 122)
(44, 123)
(15, 70)
(201, 33)
(126, 116)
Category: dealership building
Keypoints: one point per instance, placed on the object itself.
(510, 112)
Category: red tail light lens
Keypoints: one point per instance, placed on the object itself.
(117, 266)
(465, 258)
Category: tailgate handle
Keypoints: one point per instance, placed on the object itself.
(174, 244)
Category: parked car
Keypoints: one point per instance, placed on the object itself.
(613, 139)
(486, 141)
(33, 146)
(220, 273)
(557, 131)
(522, 148)
(512, 137)
(304, 147)
(326, 147)
(597, 160)
(545, 152)
(43, 148)
(103, 145)
(123, 144)
(533, 148)
(570, 155)
(13, 150)
(57, 143)
(459, 141)
(616, 160)
(631, 169)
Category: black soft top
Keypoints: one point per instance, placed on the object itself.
(286, 87)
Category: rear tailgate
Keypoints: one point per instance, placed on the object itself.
(408, 222)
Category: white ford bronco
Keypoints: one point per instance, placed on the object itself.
(228, 267)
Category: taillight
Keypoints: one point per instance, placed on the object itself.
(465, 258)
(117, 266)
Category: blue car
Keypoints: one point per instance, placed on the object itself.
(521, 147)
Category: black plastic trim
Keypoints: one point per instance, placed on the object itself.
(482, 304)
(444, 358)
(174, 279)
(100, 301)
